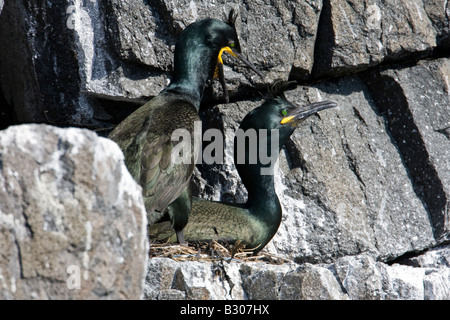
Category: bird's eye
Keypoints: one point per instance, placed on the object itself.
(232, 44)
(284, 113)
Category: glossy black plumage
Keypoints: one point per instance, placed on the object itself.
(255, 222)
(145, 135)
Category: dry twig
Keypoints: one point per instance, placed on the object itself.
(211, 251)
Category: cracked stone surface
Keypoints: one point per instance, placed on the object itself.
(364, 187)
(353, 277)
(72, 219)
(341, 181)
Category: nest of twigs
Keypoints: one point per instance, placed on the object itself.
(211, 251)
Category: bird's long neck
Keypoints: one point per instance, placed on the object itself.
(193, 68)
(262, 199)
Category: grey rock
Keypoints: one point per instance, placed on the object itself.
(171, 294)
(169, 279)
(357, 34)
(143, 35)
(24, 65)
(72, 219)
(365, 279)
(363, 187)
(192, 280)
(262, 283)
(138, 66)
(436, 285)
(416, 103)
(438, 12)
(367, 201)
(290, 28)
(438, 257)
(358, 277)
(72, 64)
(75, 62)
(311, 282)
(341, 181)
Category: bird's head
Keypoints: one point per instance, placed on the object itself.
(202, 45)
(278, 113)
(263, 133)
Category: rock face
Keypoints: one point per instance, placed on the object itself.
(417, 102)
(352, 277)
(358, 34)
(365, 187)
(350, 182)
(72, 219)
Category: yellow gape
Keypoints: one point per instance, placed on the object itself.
(225, 49)
(287, 119)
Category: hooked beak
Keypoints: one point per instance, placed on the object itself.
(303, 112)
(220, 68)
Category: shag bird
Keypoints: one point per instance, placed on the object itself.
(145, 135)
(255, 222)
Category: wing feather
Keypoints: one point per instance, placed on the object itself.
(145, 139)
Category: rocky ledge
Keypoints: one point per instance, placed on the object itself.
(365, 187)
(425, 277)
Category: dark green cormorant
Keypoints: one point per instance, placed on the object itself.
(145, 135)
(255, 222)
